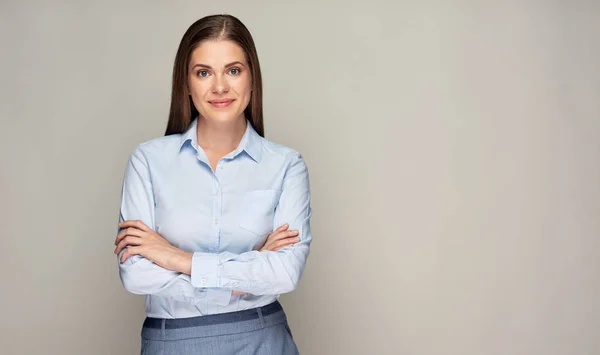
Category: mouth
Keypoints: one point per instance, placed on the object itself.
(220, 103)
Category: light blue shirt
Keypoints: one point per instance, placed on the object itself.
(222, 216)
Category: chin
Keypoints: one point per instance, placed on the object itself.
(221, 116)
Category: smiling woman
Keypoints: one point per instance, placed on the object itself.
(215, 219)
(216, 83)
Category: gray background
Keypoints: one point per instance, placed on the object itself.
(453, 150)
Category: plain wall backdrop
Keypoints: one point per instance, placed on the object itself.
(453, 150)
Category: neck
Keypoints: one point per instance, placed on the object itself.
(220, 137)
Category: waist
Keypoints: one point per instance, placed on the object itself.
(163, 307)
(222, 318)
(214, 324)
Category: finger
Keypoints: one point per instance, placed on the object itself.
(279, 247)
(135, 224)
(283, 234)
(276, 245)
(128, 231)
(279, 229)
(292, 233)
(282, 228)
(275, 236)
(129, 252)
(270, 245)
(125, 255)
(286, 242)
(130, 240)
(122, 233)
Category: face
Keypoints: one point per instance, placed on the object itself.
(219, 80)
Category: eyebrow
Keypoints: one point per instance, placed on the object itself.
(209, 67)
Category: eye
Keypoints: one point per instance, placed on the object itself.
(202, 73)
(234, 71)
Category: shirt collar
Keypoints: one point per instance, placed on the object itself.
(250, 143)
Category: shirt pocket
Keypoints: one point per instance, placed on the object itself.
(258, 211)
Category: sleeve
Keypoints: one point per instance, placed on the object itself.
(266, 272)
(138, 274)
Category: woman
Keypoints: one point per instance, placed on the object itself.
(199, 207)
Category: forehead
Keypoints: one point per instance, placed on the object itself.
(217, 53)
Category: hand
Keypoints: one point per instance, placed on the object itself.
(141, 240)
(280, 238)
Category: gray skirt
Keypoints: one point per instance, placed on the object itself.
(262, 330)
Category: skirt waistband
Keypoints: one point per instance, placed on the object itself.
(213, 319)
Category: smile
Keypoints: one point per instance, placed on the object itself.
(221, 103)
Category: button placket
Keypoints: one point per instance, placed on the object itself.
(216, 214)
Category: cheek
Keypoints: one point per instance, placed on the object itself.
(198, 88)
(244, 85)
(244, 90)
(198, 93)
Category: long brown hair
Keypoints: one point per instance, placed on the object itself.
(213, 27)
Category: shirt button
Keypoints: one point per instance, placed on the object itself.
(203, 281)
(236, 284)
(216, 221)
(217, 193)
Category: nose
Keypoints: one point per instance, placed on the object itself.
(220, 85)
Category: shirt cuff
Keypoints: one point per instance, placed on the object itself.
(205, 268)
(219, 296)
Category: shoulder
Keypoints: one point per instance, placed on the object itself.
(157, 148)
(272, 149)
(290, 158)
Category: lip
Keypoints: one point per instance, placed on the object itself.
(220, 103)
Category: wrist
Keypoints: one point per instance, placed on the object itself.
(183, 262)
